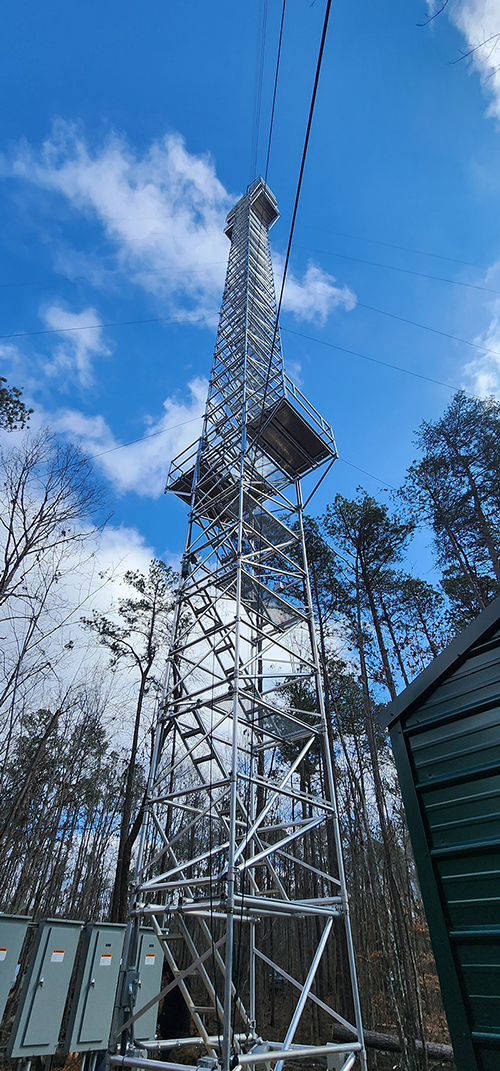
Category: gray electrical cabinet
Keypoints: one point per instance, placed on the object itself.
(149, 966)
(91, 1012)
(13, 930)
(45, 988)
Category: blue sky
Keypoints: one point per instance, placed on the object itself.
(126, 134)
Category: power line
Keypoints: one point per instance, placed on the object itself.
(278, 58)
(138, 271)
(374, 360)
(142, 438)
(303, 161)
(406, 249)
(424, 327)
(295, 208)
(405, 271)
(384, 483)
(261, 50)
(206, 319)
(310, 338)
(111, 323)
(173, 427)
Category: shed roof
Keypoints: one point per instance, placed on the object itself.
(442, 664)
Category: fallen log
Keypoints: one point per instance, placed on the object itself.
(391, 1043)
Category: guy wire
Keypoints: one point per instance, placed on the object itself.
(258, 85)
(271, 124)
(294, 213)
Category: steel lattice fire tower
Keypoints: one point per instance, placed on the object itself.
(241, 807)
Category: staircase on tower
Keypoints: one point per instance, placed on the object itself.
(240, 868)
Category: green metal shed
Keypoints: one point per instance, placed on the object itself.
(445, 734)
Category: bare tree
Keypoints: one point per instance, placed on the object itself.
(50, 512)
(135, 638)
(49, 498)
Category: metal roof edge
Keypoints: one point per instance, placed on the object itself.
(441, 664)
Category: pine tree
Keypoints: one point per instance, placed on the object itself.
(455, 487)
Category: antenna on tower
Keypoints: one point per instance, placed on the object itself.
(240, 870)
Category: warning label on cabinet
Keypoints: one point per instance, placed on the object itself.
(57, 955)
(105, 960)
(149, 959)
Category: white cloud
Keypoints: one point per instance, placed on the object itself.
(164, 212)
(76, 351)
(479, 22)
(142, 466)
(315, 296)
(483, 372)
(92, 576)
(117, 550)
(294, 370)
(12, 364)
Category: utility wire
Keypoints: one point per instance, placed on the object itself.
(130, 274)
(374, 360)
(424, 327)
(207, 318)
(111, 323)
(142, 438)
(294, 213)
(338, 234)
(261, 50)
(172, 427)
(405, 271)
(302, 166)
(198, 271)
(309, 338)
(384, 483)
(405, 249)
(278, 58)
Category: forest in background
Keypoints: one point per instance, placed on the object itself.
(79, 685)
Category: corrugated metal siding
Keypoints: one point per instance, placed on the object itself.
(453, 742)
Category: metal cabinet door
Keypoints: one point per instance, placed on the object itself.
(12, 933)
(95, 990)
(38, 1019)
(150, 966)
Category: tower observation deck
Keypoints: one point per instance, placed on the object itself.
(240, 869)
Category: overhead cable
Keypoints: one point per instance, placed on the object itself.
(261, 50)
(111, 323)
(374, 360)
(404, 249)
(207, 318)
(142, 438)
(384, 483)
(138, 271)
(172, 427)
(275, 88)
(425, 327)
(296, 204)
(302, 163)
(405, 271)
